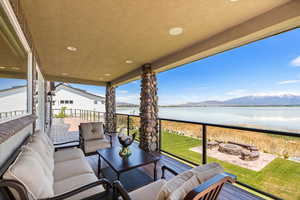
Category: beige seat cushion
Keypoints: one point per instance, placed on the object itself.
(205, 172)
(184, 189)
(92, 130)
(28, 170)
(71, 168)
(46, 140)
(148, 192)
(176, 183)
(38, 146)
(74, 182)
(48, 172)
(91, 146)
(68, 154)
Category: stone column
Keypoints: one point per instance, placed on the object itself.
(110, 106)
(148, 110)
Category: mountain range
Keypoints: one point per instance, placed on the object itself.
(253, 100)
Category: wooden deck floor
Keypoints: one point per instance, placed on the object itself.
(229, 192)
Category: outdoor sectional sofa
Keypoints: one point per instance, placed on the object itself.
(42, 172)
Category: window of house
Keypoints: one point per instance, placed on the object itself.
(53, 103)
(13, 73)
(62, 101)
(66, 101)
(95, 102)
(71, 101)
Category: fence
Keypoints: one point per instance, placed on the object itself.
(11, 114)
(87, 115)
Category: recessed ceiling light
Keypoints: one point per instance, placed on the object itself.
(2, 67)
(107, 74)
(176, 31)
(233, 0)
(100, 78)
(15, 68)
(64, 74)
(128, 61)
(70, 48)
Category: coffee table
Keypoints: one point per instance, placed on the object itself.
(137, 159)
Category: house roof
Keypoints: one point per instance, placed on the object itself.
(79, 91)
(110, 34)
(12, 90)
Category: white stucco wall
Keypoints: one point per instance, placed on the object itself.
(79, 101)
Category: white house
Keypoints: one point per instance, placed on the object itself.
(13, 99)
(74, 98)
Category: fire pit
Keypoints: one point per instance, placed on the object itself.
(212, 145)
(231, 149)
(249, 155)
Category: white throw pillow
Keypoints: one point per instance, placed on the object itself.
(27, 170)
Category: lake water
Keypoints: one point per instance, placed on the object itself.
(277, 118)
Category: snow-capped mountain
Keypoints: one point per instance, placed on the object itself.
(253, 100)
(286, 99)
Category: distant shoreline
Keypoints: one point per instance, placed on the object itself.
(178, 106)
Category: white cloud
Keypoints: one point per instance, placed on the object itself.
(296, 62)
(288, 82)
(128, 98)
(123, 91)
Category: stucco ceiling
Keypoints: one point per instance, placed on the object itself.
(107, 33)
(13, 62)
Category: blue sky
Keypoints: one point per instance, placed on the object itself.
(267, 67)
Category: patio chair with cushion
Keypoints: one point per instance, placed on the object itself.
(202, 182)
(93, 137)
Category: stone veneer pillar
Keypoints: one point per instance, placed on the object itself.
(110, 106)
(148, 110)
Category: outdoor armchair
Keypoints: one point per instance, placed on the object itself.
(93, 137)
(202, 182)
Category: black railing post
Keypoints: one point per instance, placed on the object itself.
(204, 145)
(128, 124)
(160, 135)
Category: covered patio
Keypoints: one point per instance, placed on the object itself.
(110, 43)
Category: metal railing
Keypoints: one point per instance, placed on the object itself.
(11, 114)
(126, 121)
(204, 138)
(87, 115)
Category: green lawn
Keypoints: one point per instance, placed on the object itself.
(281, 177)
